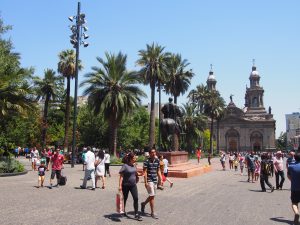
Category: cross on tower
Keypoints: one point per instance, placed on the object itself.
(253, 62)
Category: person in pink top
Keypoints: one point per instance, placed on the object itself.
(56, 161)
(278, 168)
(198, 154)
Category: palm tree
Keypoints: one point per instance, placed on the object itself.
(15, 94)
(153, 61)
(194, 123)
(112, 91)
(46, 89)
(66, 67)
(199, 96)
(214, 106)
(179, 78)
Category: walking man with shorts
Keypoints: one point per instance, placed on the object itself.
(294, 176)
(56, 161)
(151, 174)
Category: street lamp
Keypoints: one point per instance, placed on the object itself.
(76, 41)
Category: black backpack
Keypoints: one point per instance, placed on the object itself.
(62, 180)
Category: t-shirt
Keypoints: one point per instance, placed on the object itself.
(294, 172)
(42, 170)
(57, 161)
(290, 160)
(166, 163)
(250, 161)
(152, 168)
(106, 158)
(278, 163)
(90, 160)
(129, 175)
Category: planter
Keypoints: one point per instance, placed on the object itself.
(13, 174)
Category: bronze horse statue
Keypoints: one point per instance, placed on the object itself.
(168, 128)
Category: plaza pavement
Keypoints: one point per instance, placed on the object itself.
(215, 198)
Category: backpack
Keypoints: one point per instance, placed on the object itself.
(267, 168)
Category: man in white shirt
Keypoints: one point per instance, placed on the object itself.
(106, 163)
(90, 168)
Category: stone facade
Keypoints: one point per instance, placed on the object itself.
(251, 128)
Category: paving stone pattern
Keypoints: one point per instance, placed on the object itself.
(215, 198)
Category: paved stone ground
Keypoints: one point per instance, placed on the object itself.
(216, 198)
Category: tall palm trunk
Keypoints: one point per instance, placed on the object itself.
(152, 118)
(211, 135)
(67, 115)
(113, 130)
(45, 118)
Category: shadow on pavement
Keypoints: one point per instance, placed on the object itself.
(116, 217)
(281, 220)
(255, 190)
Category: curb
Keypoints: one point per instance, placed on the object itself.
(13, 174)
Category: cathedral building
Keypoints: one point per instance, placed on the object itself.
(250, 128)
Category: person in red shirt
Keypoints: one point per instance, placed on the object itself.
(198, 154)
(56, 161)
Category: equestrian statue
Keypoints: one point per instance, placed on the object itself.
(170, 126)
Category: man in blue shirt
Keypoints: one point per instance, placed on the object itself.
(294, 176)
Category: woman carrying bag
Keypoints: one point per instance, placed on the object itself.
(127, 182)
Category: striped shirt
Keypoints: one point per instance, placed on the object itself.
(152, 168)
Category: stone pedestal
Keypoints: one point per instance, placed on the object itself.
(176, 158)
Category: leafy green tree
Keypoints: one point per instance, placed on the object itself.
(112, 91)
(153, 61)
(92, 128)
(15, 92)
(46, 89)
(133, 132)
(281, 141)
(66, 67)
(16, 101)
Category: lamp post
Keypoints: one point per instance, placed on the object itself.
(76, 41)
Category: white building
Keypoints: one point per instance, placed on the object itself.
(293, 128)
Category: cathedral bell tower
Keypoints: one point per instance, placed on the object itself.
(211, 80)
(254, 95)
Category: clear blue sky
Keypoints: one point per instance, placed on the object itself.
(227, 34)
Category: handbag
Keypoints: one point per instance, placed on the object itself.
(119, 202)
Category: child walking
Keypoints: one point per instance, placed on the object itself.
(41, 172)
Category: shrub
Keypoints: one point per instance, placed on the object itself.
(11, 166)
(115, 160)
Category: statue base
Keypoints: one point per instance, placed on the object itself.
(176, 157)
(179, 165)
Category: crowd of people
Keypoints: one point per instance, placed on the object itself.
(96, 165)
(264, 165)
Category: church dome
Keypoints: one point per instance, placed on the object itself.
(254, 72)
(211, 76)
